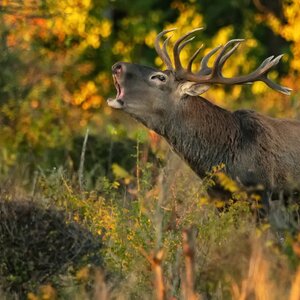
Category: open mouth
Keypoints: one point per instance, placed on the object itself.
(117, 102)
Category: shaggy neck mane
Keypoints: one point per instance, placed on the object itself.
(202, 133)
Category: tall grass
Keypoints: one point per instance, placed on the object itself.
(162, 238)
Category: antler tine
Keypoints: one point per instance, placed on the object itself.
(261, 74)
(266, 61)
(162, 52)
(270, 60)
(204, 69)
(229, 53)
(277, 87)
(189, 67)
(177, 48)
(185, 43)
(223, 56)
(165, 44)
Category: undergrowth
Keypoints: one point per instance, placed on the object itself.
(55, 237)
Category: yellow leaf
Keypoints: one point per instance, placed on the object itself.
(121, 173)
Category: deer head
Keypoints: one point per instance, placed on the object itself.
(149, 93)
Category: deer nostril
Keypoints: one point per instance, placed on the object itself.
(117, 68)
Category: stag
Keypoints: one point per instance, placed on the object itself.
(257, 150)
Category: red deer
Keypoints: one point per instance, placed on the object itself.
(257, 150)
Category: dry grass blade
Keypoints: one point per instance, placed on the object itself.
(82, 158)
(156, 262)
(101, 288)
(189, 256)
(257, 282)
(295, 290)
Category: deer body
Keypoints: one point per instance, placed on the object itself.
(256, 150)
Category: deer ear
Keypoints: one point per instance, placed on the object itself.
(193, 89)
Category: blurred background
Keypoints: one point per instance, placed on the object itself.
(55, 76)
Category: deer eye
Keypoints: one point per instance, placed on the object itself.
(160, 77)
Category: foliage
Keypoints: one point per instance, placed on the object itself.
(132, 227)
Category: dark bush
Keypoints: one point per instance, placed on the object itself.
(37, 243)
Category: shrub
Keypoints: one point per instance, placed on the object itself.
(38, 243)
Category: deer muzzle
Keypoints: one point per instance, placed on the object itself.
(118, 71)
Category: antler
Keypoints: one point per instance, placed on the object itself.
(207, 75)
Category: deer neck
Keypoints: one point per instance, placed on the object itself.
(202, 133)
